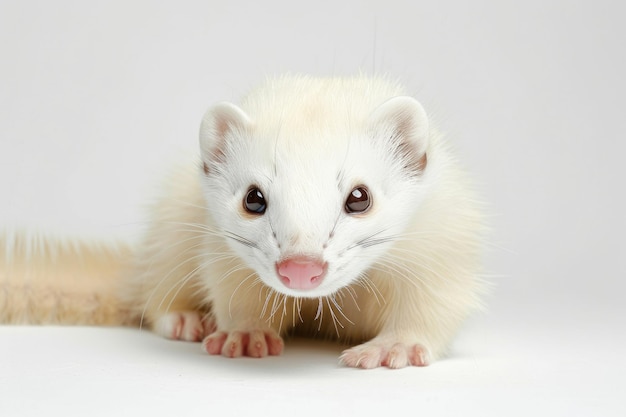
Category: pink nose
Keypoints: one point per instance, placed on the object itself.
(301, 273)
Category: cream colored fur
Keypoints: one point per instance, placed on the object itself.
(44, 281)
(401, 277)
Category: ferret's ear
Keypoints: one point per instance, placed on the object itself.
(403, 121)
(220, 123)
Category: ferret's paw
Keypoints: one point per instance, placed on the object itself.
(392, 355)
(184, 325)
(255, 343)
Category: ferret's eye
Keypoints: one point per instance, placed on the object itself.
(358, 201)
(254, 202)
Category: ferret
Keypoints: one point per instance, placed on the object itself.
(321, 207)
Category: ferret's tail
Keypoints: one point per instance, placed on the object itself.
(45, 281)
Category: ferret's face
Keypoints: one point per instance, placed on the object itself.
(312, 213)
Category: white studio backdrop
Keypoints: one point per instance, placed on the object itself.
(98, 99)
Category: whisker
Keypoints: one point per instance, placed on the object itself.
(334, 318)
(282, 317)
(320, 313)
(187, 203)
(166, 249)
(275, 305)
(409, 276)
(183, 281)
(269, 291)
(220, 256)
(299, 302)
(240, 239)
(387, 267)
(230, 301)
(363, 241)
(421, 260)
(365, 282)
(352, 293)
(236, 268)
(180, 284)
(340, 310)
(195, 227)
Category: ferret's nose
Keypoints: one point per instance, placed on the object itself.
(301, 273)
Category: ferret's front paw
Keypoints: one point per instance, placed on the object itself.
(392, 355)
(184, 325)
(255, 343)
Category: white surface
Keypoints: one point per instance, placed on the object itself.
(97, 98)
(550, 368)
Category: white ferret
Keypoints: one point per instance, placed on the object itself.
(323, 207)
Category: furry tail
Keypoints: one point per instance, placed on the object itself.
(51, 282)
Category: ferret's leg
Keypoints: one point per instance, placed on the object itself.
(387, 349)
(417, 324)
(249, 318)
(166, 297)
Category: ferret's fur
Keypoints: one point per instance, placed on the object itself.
(44, 281)
(400, 277)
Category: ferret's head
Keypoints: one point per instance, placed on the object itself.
(310, 191)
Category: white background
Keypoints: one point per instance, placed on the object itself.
(97, 99)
